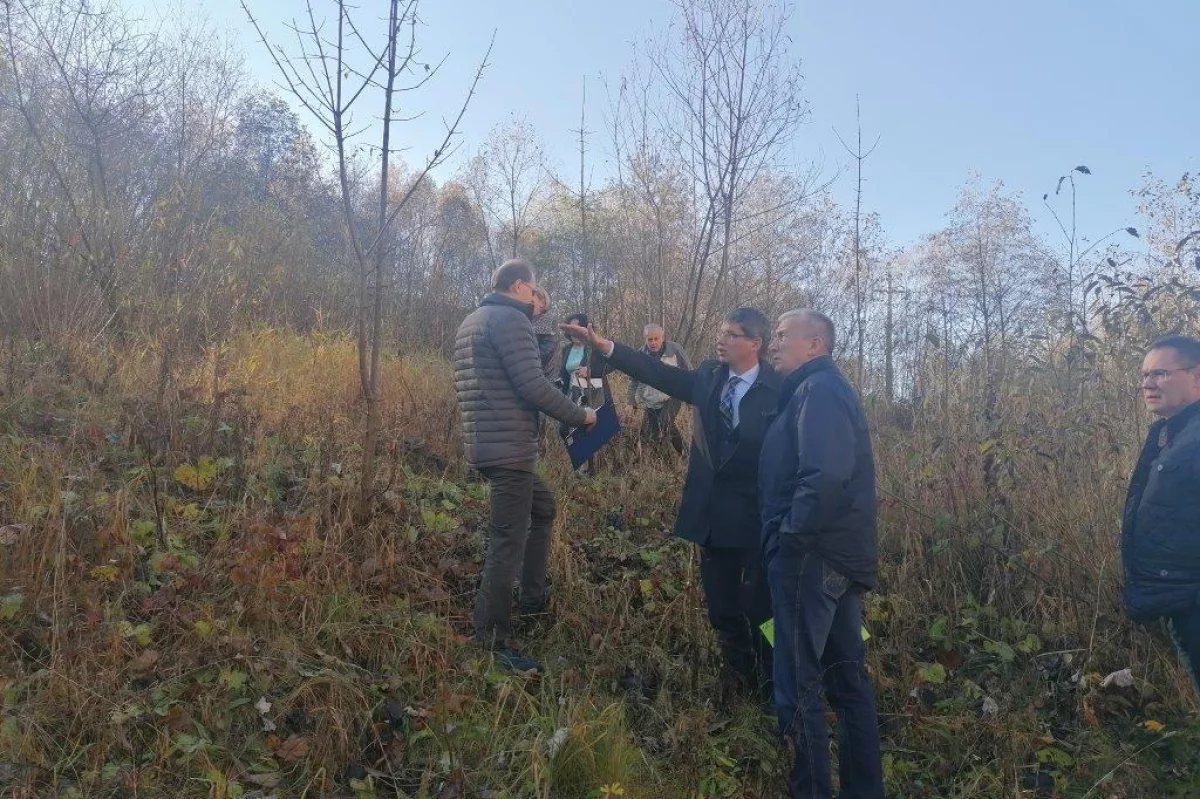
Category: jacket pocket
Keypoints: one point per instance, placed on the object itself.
(1172, 484)
(833, 582)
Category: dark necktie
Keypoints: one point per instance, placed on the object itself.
(727, 400)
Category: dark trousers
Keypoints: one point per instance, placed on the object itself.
(735, 590)
(518, 544)
(1185, 632)
(658, 425)
(819, 647)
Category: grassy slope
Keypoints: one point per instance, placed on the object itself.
(254, 642)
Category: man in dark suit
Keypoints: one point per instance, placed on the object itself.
(735, 396)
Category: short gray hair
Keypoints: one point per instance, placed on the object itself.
(653, 327)
(822, 322)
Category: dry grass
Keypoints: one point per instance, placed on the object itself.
(187, 609)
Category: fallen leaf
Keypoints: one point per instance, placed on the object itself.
(294, 749)
(144, 663)
(1154, 726)
(104, 574)
(9, 533)
(1118, 679)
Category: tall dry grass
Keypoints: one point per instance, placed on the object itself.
(188, 609)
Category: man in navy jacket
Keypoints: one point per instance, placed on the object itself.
(1160, 531)
(817, 497)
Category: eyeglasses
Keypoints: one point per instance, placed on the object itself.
(726, 335)
(1155, 375)
(784, 335)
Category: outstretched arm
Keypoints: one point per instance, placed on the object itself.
(679, 383)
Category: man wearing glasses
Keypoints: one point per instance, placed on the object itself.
(1160, 529)
(735, 397)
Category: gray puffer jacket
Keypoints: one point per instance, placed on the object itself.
(500, 385)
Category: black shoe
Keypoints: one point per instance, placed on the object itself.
(513, 660)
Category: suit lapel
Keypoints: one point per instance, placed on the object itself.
(712, 415)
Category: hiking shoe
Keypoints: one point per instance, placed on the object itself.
(513, 660)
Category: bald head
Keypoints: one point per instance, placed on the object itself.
(801, 336)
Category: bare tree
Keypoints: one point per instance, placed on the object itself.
(860, 276)
(87, 85)
(730, 106)
(332, 73)
(508, 178)
(1074, 277)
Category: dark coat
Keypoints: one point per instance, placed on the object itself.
(719, 507)
(500, 386)
(817, 474)
(1160, 529)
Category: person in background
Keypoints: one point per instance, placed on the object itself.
(501, 388)
(1160, 529)
(817, 494)
(659, 408)
(582, 367)
(734, 396)
(546, 331)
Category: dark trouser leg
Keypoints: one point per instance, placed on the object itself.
(737, 602)
(849, 690)
(651, 431)
(818, 645)
(756, 605)
(537, 548)
(1185, 632)
(675, 437)
(511, 502)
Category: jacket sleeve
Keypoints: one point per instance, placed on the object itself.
(518, 350)
(824, 462)
(597, 364)
(679, 383)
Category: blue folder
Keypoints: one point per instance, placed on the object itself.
(584, 442)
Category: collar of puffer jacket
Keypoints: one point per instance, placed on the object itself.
(496, 298)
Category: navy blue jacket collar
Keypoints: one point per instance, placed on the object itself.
(793, 381)
(1179, 421)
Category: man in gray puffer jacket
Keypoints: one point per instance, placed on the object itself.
(501, 387)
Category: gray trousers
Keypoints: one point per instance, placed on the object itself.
(518, 544)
